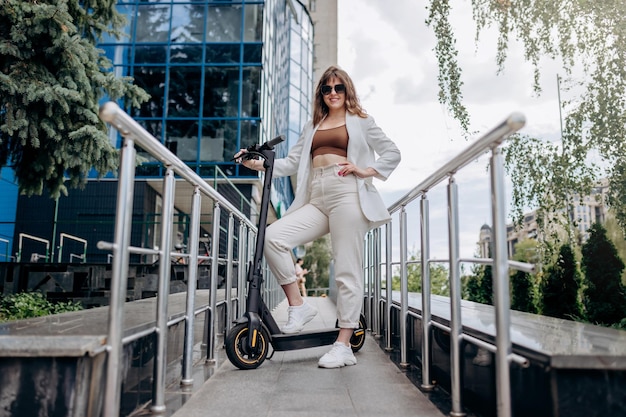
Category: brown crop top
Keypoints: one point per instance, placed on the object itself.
(333, 140)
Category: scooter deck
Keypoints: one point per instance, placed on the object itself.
(304, 340)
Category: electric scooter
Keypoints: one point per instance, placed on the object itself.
(248, 341)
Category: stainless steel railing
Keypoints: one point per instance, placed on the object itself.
(244, 237)
(490, 142)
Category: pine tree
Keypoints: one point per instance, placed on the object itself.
(559, 290)
(522, 283)
(522, 292)
(471, 290)
(604, 295)
(52, 78)
(478, 287)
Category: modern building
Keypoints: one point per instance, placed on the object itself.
(221, 75)
(584, 212)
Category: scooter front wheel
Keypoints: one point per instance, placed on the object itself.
(238, 352)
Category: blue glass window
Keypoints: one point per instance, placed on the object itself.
(223, 24)
(221, 91)
(152, 23)
(183, 98)
(188, 23)
(151, 79)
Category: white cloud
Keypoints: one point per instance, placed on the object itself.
(389, 51)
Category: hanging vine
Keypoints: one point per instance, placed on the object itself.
(587, 38)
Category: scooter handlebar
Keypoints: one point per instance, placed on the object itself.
(254, 151)
(271, 143)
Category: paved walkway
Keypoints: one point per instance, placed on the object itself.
(291, 384)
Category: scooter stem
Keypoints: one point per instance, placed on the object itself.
(255, 306)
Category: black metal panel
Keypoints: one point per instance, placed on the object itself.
(87, 213)
(543, 389)
(51, 386)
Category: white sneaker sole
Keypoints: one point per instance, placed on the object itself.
(336, 364)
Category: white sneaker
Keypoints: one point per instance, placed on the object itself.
(298, 317)
(340, 355)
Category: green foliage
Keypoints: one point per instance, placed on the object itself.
(586, 36)
(439, 277)
(472, 289)
(522, 292)
(604, 296)
(527, 250)
(52, 78)
(616, 235)
(479, 285)
(522, 284)
(560, 287)
(545, 178)
(449, 77)
(317, 261)
(32, 304)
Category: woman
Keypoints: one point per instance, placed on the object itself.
(335, 159)
(300, 276)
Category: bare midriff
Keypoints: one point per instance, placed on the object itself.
(328, 159)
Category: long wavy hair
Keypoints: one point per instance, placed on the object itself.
(353, 105)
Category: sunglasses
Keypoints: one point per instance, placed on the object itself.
(339, 89)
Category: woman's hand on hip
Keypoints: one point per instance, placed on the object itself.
(348, 168)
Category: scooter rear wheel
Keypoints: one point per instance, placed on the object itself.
(358, 337)
(236, 345)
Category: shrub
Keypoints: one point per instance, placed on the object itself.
(32, 304)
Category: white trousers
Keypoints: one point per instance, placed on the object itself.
(334, 208)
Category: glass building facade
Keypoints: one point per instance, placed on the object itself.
(221, 75)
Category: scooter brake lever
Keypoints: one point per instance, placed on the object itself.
(248, 155)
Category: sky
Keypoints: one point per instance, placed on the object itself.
(388, 51)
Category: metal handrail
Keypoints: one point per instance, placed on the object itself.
(82, 257)
(490, 142)
(111, 113)
(176, 171)
(35, 238)
(227, 180)
(6, 242)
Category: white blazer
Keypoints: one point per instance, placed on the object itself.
(366, 141)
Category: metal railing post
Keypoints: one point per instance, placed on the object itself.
(119, 280)
(425, 264)
(367, 275)
(501, 286)
(388, 287)
(404, 289)
(192, 279)
(165, 268)
(456, 328)
(242, 262)
(376, 281)
(215, 246)
(229, 274)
